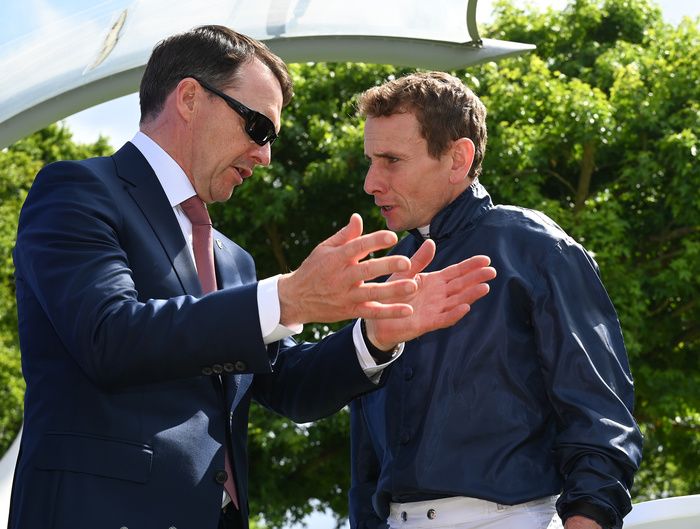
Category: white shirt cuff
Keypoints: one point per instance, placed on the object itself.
(269, 311)
(367, 362)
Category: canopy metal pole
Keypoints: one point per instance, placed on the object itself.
(471, 23)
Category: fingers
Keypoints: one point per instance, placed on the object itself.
(465, 267)
(480, 275)
(390, 291)
(352, 230)
(352, 247)
(361, 247)
(449, 318)
(468, 295)
(372, 310)
(381, 266)
(423, 257)
(460, 283)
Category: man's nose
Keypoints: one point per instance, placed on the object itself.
(373, 181)
(261, 154)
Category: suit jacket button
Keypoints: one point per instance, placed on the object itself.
(221, 476)
(240, 366)
(408, 373)
(216, 368)
(405, 438)
(228, 367)
(431, 514)
(207, 371)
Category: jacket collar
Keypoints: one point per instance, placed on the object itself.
(460, 214)
(146, 191)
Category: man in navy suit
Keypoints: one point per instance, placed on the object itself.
(139, 365)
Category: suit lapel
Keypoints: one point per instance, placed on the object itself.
(143, 186)
(145, 189)
(227, 274)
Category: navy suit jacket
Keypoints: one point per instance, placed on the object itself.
(135, 382)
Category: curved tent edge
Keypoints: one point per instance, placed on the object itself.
(419, 53)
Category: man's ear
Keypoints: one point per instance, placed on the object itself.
(462, 159)
(185, 94)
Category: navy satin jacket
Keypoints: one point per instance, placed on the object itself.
(529, 395)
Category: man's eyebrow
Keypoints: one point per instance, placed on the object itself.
(384, 155)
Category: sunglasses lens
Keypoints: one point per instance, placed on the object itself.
(260, 129)
(258, 126)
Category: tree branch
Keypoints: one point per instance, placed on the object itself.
(277, 248)
(675, 234)
(584, 181)
(561, 179)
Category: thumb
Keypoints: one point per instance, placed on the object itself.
(420, 259)
(352, 230)
(423, 257)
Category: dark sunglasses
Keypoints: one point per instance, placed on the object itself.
(258, 126)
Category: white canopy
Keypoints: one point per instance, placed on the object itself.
(68, 62)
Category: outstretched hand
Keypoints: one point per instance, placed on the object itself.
(330, 284)
(442, 298)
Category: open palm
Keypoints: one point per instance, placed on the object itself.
(442, 298)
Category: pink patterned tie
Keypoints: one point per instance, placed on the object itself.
(202, 244)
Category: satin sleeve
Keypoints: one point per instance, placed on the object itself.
(588, 379)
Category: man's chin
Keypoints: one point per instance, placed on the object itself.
(223, 195)
(395, 227)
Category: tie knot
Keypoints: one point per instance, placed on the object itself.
(196, 211)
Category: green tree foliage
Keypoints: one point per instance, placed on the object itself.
(598, 128)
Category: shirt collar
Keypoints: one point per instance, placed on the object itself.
(459, 215)
(172, 178)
